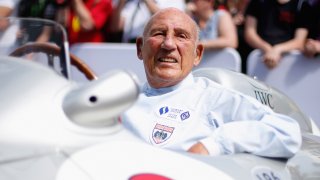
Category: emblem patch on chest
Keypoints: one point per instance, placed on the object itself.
(161, 133)
(173, 113)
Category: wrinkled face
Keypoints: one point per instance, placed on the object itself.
(169, 48)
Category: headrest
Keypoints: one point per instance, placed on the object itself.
(269, 96)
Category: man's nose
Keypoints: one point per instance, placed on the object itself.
(168, 43)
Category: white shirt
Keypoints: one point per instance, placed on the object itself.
(225, 121)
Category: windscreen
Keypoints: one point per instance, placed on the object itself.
(34, 39)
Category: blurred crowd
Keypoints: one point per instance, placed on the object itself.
(274, 26)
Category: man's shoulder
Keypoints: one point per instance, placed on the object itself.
(214, 87)
(207, 83)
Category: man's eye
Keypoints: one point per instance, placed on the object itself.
(158, 34)
(182, 36)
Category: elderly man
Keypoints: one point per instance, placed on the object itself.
(185, 113)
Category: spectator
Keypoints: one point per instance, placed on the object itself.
(45, 9)
(7, 34)
(237, 9)
(130, 16)
(312, 17)
(274, 26)
(312, 48)
(216, 27)
(185, 113)
(7, 8)
(221, 4)
(86, 20)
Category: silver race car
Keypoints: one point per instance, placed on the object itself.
(52, 127)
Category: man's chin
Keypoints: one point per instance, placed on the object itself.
(161, 81)
(168, 76)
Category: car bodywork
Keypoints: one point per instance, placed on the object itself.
(54, 128)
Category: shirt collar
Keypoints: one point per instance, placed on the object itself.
(150, 91)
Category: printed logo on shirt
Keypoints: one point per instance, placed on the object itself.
(163, 110)
(161, 133)
(174, 113)
(185, 115)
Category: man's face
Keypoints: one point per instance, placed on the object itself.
(169, 48)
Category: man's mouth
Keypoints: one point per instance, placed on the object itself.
(168, 60)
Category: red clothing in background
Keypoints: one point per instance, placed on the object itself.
(100, 11)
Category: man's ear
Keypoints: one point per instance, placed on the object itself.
(199, 54)
(139, 43)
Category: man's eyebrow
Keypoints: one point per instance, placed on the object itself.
(178, 30)
(184, 31)
(157, 29)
